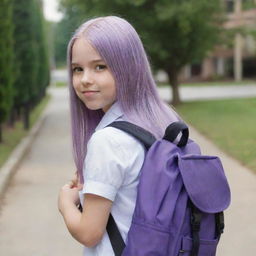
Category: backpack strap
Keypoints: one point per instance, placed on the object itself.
(115, 237)
(147, 139)
(219, 220)
(196, 217)
(144, 136)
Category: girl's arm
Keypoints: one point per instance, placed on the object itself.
(89, 226)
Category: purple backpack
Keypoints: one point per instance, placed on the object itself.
(181, 198)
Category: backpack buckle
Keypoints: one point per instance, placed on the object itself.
(195, 221)
(219, 218)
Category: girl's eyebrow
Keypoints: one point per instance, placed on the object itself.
(92, 61)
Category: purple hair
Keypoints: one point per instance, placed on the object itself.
(120, 47)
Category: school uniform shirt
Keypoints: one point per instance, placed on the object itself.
(112, 167)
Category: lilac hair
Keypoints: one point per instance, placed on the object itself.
(120, 47)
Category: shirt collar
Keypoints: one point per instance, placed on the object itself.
(110, 116)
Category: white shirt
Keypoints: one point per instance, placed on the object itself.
(112, 166)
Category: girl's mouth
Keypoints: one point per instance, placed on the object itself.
(89, 93)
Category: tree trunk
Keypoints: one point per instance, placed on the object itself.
(18, 112)
(26, 121)
(1, 136)
(11, 119)
(173, 79)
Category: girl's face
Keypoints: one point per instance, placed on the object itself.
(93, 82)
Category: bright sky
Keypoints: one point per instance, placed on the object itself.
(51, 10)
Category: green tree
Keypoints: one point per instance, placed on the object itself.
(6, 61)
(43, 69)
(64, 29)
(31, 58)
(25, 56)
(174, 32)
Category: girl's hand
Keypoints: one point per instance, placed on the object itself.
(75, 181)
(69, 194)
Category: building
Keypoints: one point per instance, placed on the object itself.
(237, 61)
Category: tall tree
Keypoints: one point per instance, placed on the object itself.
(25, 56)
(6, 60)
(31, 57)
(64, 29)
(174, 32)
(42, 77)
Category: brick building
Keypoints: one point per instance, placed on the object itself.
(234, 62)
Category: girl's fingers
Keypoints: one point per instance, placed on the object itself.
(74, 181)
(79, 186)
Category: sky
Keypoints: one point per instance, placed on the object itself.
(51, 10)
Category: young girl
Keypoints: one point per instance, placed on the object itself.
(110, 80)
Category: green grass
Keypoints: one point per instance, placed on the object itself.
(60, 84)
(231, 124)
(12, 136)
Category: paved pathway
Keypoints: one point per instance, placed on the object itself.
(192, 93)
(30, 224)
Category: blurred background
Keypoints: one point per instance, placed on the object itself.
(202, 54)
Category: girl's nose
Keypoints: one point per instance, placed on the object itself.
(86, 78)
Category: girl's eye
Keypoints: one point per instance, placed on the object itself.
(77, 69)
(100, 67)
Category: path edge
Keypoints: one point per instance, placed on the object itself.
(11, 165)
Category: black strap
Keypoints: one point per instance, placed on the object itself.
(147, 139)
(114, 234)
(196, 217)
(115, 237)
(219, 220)
(174, 129)
(139, 133)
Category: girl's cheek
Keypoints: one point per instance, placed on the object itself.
(75, 82)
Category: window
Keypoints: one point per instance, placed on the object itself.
(229, 6)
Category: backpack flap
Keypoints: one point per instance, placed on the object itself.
(205, 182)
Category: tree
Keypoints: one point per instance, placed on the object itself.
(6, 61)
(25, 56)
(31, 59)
(43, 69)
(174, 32)
(64, 29)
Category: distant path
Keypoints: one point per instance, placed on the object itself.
(192, 93)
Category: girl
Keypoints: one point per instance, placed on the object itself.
(110, 80)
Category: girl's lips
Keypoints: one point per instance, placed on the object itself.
(90, 93)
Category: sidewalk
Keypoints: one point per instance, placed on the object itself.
(192, 93)
(30, 223)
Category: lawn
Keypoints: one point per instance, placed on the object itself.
(12, 136)
(231, 124)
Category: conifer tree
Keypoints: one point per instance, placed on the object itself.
(26, 59)
(6, 61)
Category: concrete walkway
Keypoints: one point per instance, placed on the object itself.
(192, 93)
(30, 224)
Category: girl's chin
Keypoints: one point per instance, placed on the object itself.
(92, 107)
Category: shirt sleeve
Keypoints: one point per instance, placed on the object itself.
(105, 166)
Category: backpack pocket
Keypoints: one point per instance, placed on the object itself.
(144, 239)
(205, 182)
(207, 247)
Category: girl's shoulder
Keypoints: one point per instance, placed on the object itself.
(113, 137)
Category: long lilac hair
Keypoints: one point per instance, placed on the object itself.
(120, 47)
